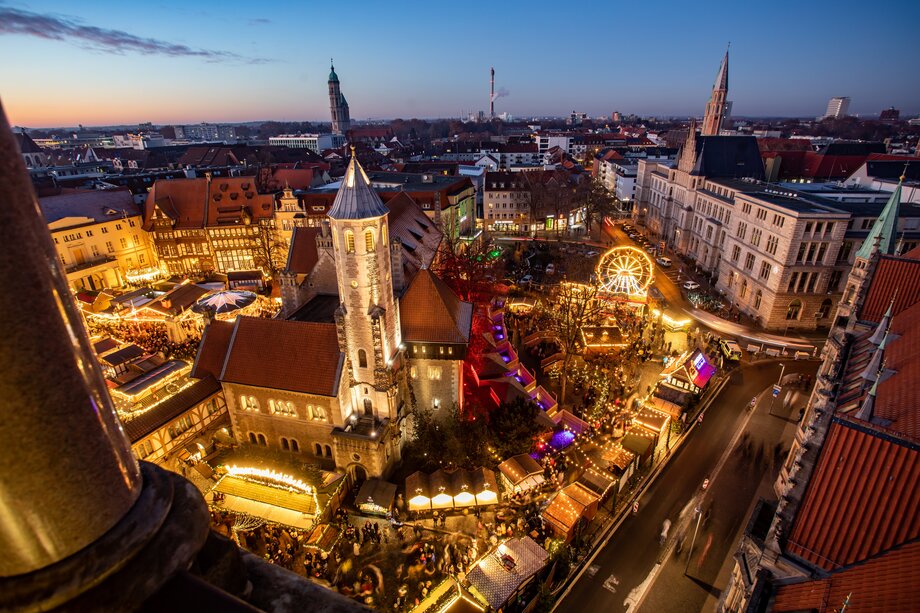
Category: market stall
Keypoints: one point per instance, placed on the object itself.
(521, 473)
(376, 497)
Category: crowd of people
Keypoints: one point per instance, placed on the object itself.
(150, 336)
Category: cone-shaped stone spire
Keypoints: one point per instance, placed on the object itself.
(882, 329)
(868, 406)
(871, 372)
(356, 198)
(884, 230)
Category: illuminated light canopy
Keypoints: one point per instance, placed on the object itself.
(270, 476)
(625, 271)
(139, 275)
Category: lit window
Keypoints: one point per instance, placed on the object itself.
(434, 373)
(349, 241)
(369, 241)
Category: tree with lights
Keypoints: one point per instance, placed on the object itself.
(574, 306)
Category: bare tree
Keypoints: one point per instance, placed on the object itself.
(597, 201)
(464, 264)
(574, 306)
(271, 254)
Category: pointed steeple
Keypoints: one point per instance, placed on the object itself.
(882, 329)
(722, 76)
(874, 367)
(356, 199)
(884, 229)
(867, 409)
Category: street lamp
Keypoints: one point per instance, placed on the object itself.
(779, 383)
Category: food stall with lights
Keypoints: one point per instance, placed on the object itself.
(376, 497)
(458, 489)
(501, 574)
(521, 473)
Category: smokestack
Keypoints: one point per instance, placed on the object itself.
(492, 95)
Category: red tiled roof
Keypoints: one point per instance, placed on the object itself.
(288, 355)
(894, 276)
(212, 351)
(430, 312)
(197, 203)
(862, 499)
(896, 402)
(303, 254)
(890, 582)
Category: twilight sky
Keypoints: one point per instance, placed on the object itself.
(108, 62)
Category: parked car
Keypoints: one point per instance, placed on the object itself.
(591, 254)
(664, 262)
(550, 269)
(730, 349)
(691, 285)
(526, 280)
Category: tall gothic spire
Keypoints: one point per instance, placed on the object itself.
(356, 199)
(722, 76)
(882, 235)
(875, 365)
(715, 108)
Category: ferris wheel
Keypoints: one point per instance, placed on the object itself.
(625, 271)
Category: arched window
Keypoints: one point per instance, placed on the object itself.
(825, 309)
(744, 286)
(319, 413)
(282, 407)
(318, 449)
(383, 235)
(362, 358)
(349, 241)
(328, 451)
(252, 438)
(284, 444)
(369, 241)
(262, 440)
(249, 403)
(758, 297)
(794, 310)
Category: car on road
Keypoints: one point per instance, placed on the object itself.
(550, 269)
(664, 262)
(730, 349)
(591, 254)
(526, 280)
(691, 285)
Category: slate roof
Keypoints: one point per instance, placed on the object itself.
(419, 236)
(892, 167)
(880, 585)
(862, 498)
(25, 143)
(150, 421)
(97, 204)
(356, 199)
(430, 312)
(728, 157)
(279, 354)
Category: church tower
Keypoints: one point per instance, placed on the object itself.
(715, 108)
(338, 106)
(880, 241)
(368, 315)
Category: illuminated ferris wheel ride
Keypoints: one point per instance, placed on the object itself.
(625, 272)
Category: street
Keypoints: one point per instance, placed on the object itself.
(625, 573)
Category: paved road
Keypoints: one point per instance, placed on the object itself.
(631, 554)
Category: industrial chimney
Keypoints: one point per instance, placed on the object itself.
(492, 94)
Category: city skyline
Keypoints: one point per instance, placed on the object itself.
(189, 73)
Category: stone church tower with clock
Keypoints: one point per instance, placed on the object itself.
(368, 316)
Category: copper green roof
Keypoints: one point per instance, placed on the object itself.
(884, 229)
